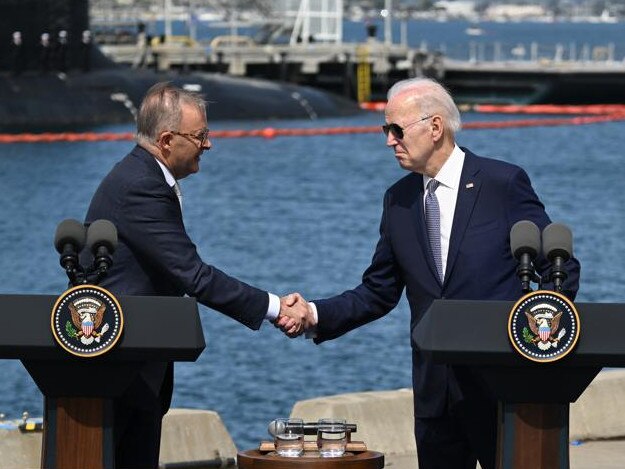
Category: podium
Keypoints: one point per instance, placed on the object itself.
(533, 397)
(79, 392)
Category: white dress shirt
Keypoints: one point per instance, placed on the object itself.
(273, 308)
(447, 194)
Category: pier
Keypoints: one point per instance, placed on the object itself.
(303, 43)
(365, 71)
(361, 71)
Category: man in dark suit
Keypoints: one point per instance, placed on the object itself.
(156, 257)
(459, 250)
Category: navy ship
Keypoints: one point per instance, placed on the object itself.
(54, 77)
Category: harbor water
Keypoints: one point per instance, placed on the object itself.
(297, 214)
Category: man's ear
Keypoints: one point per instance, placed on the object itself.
(438, 127)
(164, 140)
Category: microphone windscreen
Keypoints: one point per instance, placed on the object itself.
(69, 231)
(102, 233)
(275, 427)
(525, 239)
(557, 241)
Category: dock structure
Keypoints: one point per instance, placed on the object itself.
(535, 81)
(306, 47)
(362, 71)
(303, 45)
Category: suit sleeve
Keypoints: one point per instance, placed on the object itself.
(525, 205)
(379, 292)
(154, 230)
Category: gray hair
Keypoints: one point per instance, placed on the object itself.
(431, 98)
(161, 109)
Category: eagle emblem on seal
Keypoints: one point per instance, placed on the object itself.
(87, 315)
(544, 326)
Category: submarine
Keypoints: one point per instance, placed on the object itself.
(53, 77)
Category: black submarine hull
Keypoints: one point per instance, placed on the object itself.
(32, 102)
(41, 92)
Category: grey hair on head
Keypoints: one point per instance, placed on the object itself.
(161, 109)
(435, 100)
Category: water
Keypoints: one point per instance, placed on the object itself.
(297, 214)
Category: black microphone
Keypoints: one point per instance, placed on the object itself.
(102, 242)
(69, 240)
(277, 427)
(525, 246)
(557, 247)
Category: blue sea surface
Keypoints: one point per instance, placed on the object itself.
(297, 214)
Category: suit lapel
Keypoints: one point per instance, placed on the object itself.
(468, 190)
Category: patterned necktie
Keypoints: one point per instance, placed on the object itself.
(433, 223)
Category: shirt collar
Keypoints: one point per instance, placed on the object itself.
(171, 180)
(449, 174)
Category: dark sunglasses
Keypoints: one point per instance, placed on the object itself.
(200, 136)
(397, 130)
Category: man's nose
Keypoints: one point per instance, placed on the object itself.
(391, 140)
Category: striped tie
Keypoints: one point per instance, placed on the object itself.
(433, 222)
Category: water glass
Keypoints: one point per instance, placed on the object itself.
(331, 437)
(289, 438)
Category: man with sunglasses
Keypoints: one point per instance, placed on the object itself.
(156, 257)
(444, 234)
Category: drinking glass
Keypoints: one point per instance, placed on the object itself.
(289, 438)
(331, 437)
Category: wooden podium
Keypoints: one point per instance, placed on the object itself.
(534, 398)
(79, 392)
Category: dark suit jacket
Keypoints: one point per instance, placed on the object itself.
(155, 255)
(492, 196)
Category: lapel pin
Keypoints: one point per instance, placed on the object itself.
(469, 185)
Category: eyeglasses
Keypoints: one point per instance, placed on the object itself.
(397, 130)
(200, 136)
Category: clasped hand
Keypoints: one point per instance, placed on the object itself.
(295, 315)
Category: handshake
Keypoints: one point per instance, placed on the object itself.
(296, 315)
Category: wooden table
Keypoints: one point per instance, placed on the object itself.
(254, 459)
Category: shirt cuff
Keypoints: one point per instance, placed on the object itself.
(274, 308)
(311, 332)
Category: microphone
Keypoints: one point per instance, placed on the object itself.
(69, 240)
(557, 247)
(277, 427)
(525, 245)
(102, 242)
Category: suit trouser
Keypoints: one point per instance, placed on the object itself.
(457, 440)
(138, 420)
(466, 431)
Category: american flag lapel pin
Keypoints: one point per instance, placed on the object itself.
(469, 185)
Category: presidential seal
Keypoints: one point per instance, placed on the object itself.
(87, 321)
(543, 326)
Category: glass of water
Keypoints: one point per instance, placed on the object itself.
(289, 438)
(331, 437)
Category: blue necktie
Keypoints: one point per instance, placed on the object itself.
(433, 223)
